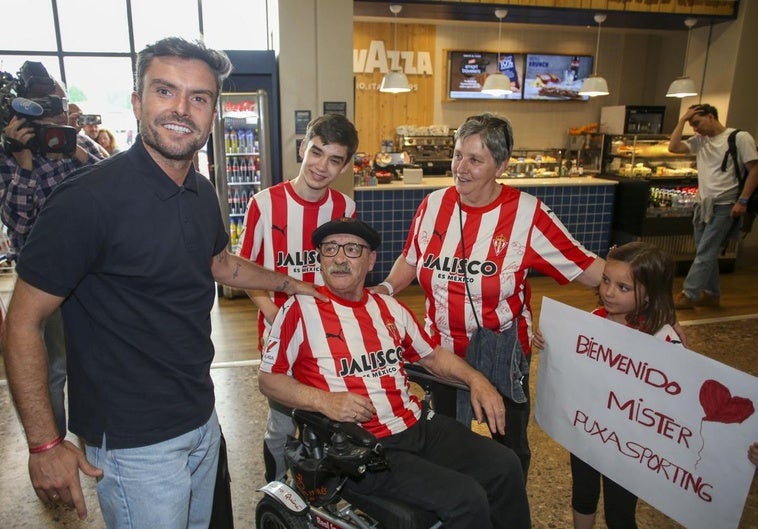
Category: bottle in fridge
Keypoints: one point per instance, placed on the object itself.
(241, 134)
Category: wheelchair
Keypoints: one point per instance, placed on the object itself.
(323, 456)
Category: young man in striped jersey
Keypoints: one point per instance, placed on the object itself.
(277, 235)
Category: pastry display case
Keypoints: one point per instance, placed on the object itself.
(637, 155)
(655, 196)
(536, 163)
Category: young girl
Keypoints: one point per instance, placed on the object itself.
(636, 291)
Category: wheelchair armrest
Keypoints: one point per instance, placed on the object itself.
(346, 448)
(419, 375)
(325, 428)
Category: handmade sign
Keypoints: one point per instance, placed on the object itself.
(670, 425)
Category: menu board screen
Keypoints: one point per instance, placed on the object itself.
(468, 70)
(556, 77)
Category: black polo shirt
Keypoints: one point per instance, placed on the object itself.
(131, 252)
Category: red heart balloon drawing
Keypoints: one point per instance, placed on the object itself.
(720, 406)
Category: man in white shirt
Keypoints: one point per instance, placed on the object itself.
(720, 201)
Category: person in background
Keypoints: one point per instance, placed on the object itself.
(91, 127)
(720, 202)
(471, 247)
(28, 179)
(136, 309)
(435, 462)
(277, 236)
(74, 111)
(75, 120)
(635, 291)
(107, 140)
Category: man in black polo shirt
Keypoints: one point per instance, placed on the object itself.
(130, 250)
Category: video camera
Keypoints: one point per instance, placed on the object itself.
(89, 119)
(29, 96)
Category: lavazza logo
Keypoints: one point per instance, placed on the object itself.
(377, 57)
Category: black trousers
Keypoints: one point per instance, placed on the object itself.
(516, 420)
(619, 504)
(443, 467)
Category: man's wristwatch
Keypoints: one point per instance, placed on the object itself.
(742, 201)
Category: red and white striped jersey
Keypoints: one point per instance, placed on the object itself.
(665, 333)
(503, 241)
(277, 233)
(355, 346)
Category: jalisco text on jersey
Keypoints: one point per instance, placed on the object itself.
(307, 257)
(460, 266)
(369, 362)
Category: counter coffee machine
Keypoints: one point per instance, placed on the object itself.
(432, 153)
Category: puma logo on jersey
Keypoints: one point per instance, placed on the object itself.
(337, 336)
(282, 230)
(440, 235)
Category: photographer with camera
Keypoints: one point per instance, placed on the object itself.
(90, 124)
(37, 154)
(77, 118)
(74, 116)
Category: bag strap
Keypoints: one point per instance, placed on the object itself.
(731, 142)
(463, 255)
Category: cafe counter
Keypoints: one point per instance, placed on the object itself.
(584, 204)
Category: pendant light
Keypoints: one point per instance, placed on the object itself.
(497, 84)
(395, 81)
(595, 85)
(684, 86)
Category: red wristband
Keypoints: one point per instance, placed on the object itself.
(45, 447)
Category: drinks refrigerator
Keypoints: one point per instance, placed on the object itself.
(242, 158)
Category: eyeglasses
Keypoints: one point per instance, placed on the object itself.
(351, 249)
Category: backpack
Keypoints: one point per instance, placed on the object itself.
(752, 203)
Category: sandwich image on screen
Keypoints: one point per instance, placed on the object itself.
(556, 77)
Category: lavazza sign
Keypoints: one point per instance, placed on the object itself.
(376, 57)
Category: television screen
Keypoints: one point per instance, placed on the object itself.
(556, 77)
(468, 70)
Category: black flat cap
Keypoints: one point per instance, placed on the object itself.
(350, 226)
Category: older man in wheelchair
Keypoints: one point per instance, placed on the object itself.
(345, 359)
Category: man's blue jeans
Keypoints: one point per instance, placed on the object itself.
(709, 243)
(167, 485)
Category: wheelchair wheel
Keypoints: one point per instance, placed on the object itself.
(270, 514)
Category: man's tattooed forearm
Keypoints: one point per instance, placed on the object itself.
(236, 270)
(284, 286)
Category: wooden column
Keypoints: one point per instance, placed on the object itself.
(378, 114)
